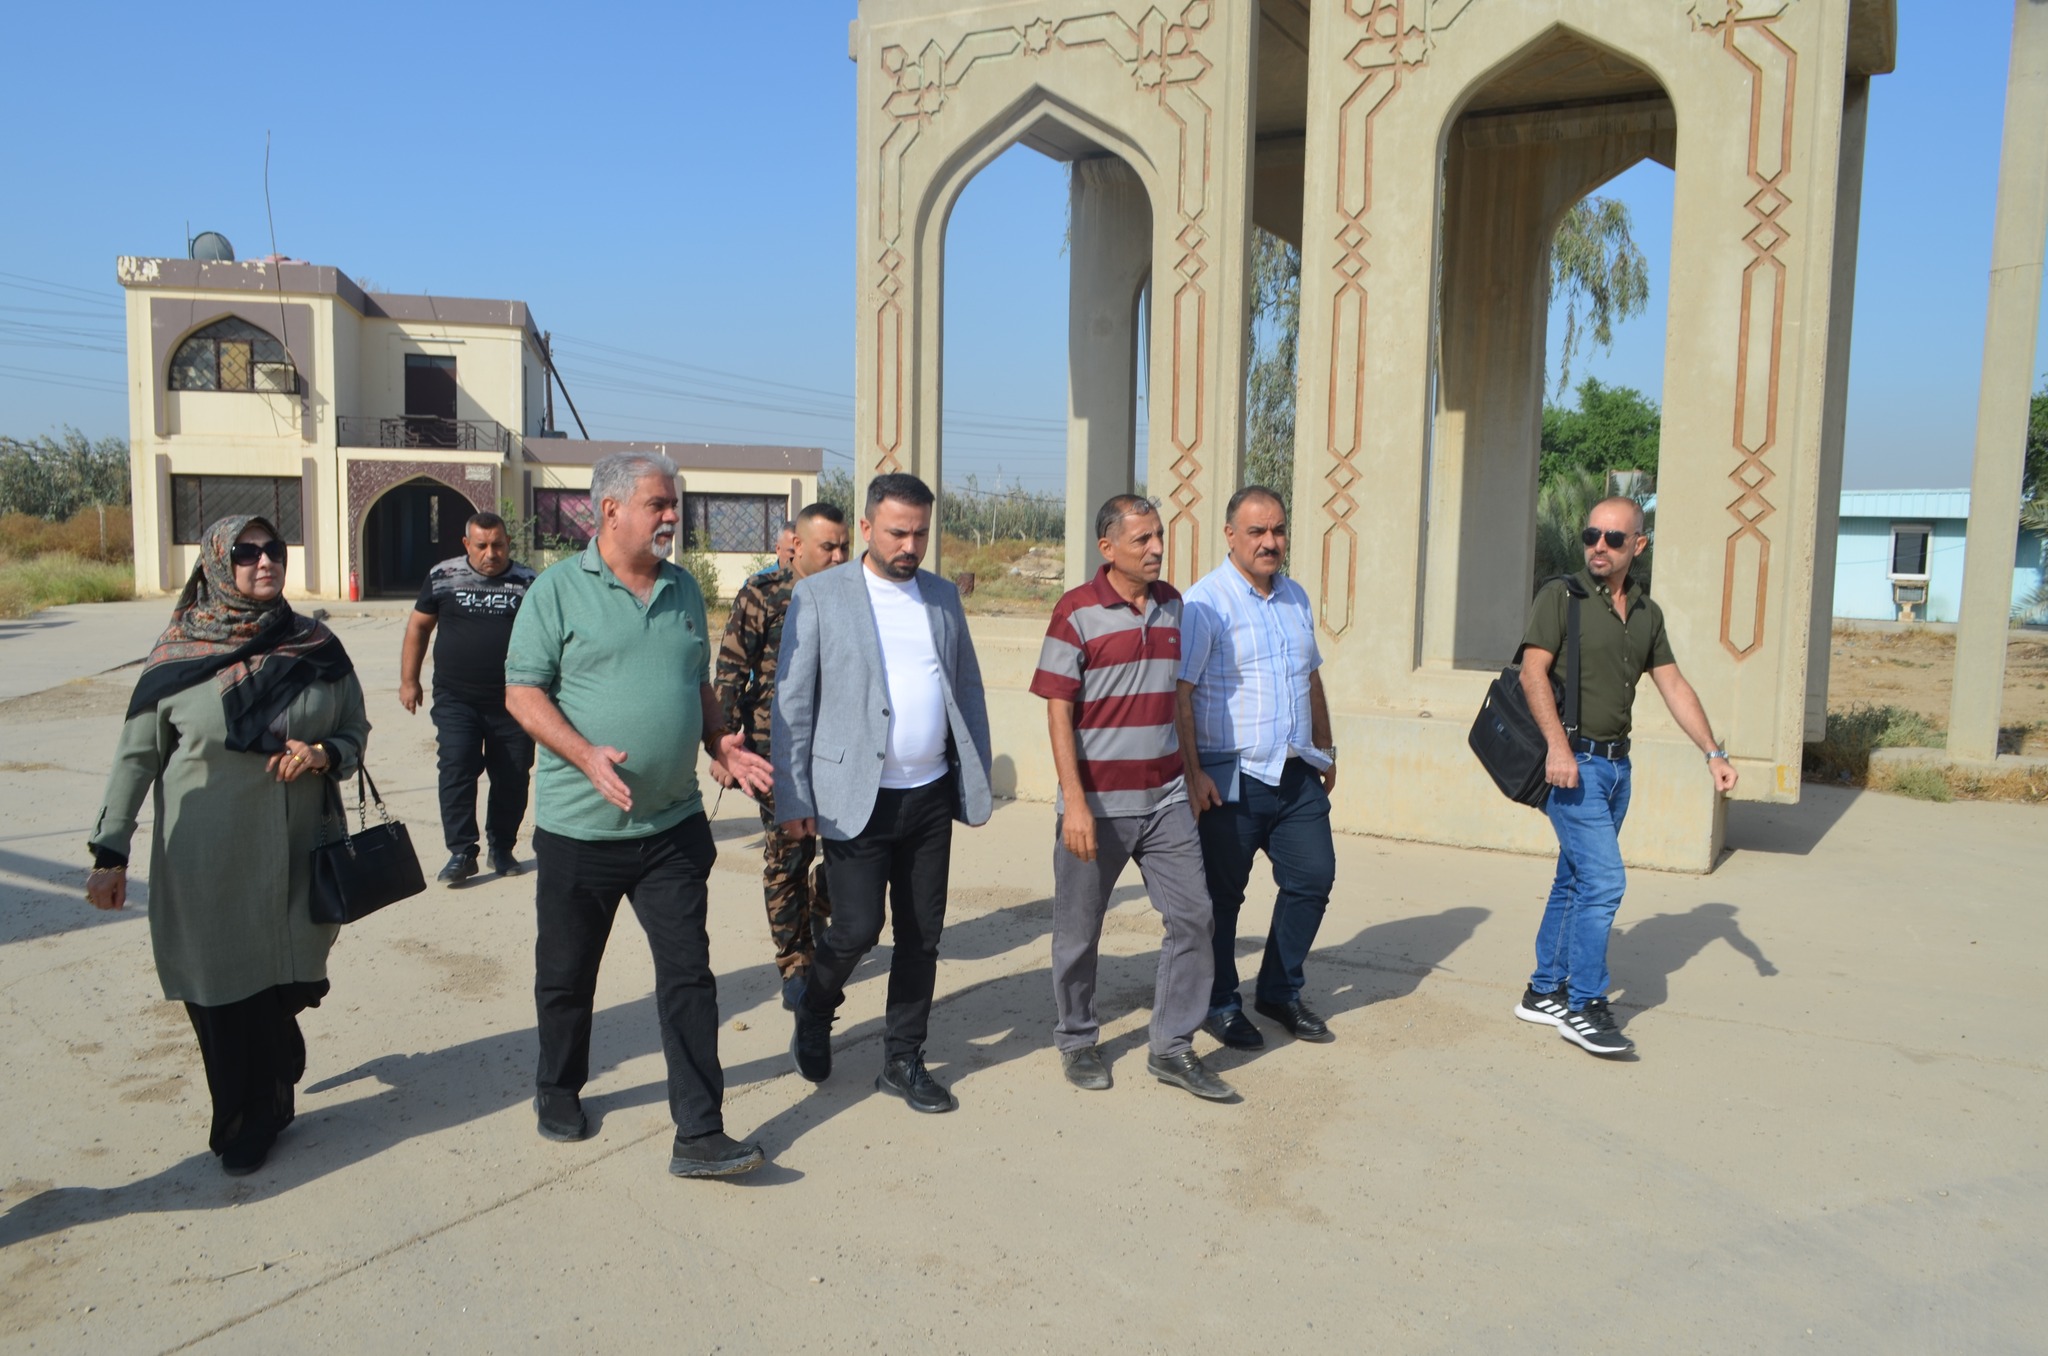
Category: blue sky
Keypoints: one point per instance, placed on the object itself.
(670, 186)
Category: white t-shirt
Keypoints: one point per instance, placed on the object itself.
(917, 702)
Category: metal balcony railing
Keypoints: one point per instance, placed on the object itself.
(428, 431)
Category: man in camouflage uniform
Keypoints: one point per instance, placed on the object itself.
(792, 875)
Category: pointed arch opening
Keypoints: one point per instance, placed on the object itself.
(1546, 128)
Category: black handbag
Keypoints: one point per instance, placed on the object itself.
(1510, 744)
(360, 873)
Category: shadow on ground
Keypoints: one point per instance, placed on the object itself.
(1645, 955)
(1754, 826)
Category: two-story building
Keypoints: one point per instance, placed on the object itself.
(368, 426)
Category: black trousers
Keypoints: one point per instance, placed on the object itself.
(255, 1055)
(475, 735)
(577, 895)
(905, 853)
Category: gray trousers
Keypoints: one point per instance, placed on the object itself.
(1169, 855)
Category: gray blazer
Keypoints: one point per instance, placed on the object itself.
(831, 717)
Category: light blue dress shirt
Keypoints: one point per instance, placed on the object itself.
(1249, 655)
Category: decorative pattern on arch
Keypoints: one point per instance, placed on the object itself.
(367, 481)
(1392, 38)
(1158, 54)
(1747, 32)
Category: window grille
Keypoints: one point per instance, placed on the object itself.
(198, 502)
(739, 523)
(233, 355)
(564, 514)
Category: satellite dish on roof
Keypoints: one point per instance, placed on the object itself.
(211, 247)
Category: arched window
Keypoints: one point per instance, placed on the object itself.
(233, 355)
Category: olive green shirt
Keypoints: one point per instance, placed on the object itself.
(625, 674)
(1613, 654)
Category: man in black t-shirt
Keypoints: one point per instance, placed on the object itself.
(473, 598)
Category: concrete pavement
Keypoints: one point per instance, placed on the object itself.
(1831, 1138)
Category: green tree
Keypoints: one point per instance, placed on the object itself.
(1614, 428)
(1275, 342)
(48, 477)
(835, 487)
(1599, 273)
(2036, 475)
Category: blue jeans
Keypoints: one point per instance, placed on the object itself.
(1571, 944)
(1291, 823)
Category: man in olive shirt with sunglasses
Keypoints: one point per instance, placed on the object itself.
(1621, 636)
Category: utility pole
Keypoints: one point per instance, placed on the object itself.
(2011, 328)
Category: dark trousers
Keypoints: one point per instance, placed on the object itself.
(1291, 824)
(906, 854)
(475, 735)
(255, 1055)
(577, 895)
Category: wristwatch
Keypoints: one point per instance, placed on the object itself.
(1718, 753)
(1329, 752)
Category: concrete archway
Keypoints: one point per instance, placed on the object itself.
(940, 97)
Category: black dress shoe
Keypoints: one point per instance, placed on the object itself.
(246, 1151)
(1234, 1029)
(461, 866)
(1297, 1021)
(1084, 1068)
(714, 1155)
(504, 863)
(1186, 1070)
(810, 1046)
(905, 1077)
(559, 1116)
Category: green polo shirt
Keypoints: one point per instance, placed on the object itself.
(625, 675)
(1613, 653)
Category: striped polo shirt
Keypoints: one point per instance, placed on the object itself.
(1118, 665)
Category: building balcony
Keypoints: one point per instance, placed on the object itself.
(425, 431)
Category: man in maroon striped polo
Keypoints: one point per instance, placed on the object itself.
(1108, 672)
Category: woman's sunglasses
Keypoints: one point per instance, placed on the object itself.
(246, 552)
(1591, 536)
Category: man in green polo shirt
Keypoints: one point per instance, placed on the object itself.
(609, 670)
(1621, 636)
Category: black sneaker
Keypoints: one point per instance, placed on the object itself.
(793, 991)
(559, 1117)
(461, 866)
(503, 862)
(905, 1077)
(714, 1155)
(1592, 1028)
(810, 1046)
(1548, 1008)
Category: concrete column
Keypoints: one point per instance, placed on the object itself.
(2011, 327)
(1834, 413)
(1109, 246)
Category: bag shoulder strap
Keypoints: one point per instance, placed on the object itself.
(1571, 662)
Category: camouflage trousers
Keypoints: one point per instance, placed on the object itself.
(793, 885)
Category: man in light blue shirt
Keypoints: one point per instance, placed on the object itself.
(1260, 763)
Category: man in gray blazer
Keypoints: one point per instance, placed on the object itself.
(879, 762)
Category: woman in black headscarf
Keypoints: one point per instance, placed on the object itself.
(242, 710)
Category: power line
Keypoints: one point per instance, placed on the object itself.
(83, 383)
(57, 289)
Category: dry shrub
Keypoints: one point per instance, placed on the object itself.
(54, 579)
(1843, 755)
(1921, 781)
(23, 536)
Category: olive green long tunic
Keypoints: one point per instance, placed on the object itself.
(230, 868)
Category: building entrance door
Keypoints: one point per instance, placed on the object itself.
(410, 530)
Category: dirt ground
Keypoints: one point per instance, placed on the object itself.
(1913, 670)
